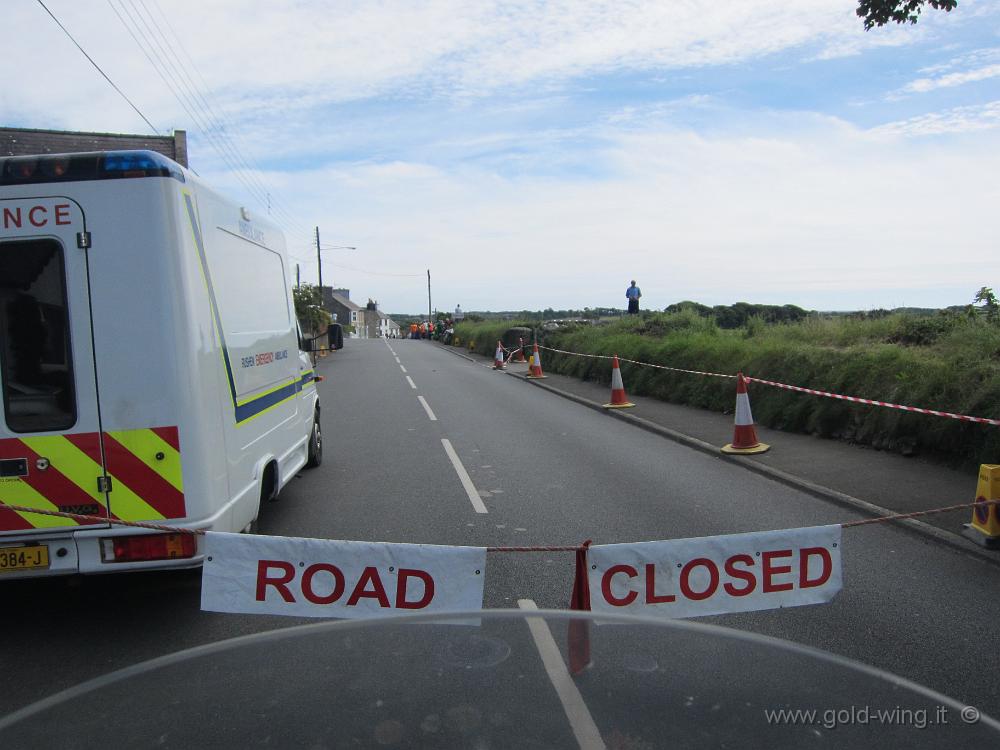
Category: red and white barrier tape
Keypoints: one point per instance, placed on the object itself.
(641, 364)
(101, 519)
(872, 402)
(797, 389)
(558, 548)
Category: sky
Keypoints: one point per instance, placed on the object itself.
(542, 154)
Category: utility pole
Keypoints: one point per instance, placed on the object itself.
(298, 277)
(319, 261)
(429, 318)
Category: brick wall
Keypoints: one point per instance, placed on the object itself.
(28, 142)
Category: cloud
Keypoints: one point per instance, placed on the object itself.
(538, 154)
(810, 211)
(979, 65)
(297, 55)
(966, 119)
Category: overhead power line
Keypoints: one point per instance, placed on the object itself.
(98, 68)
(223, 131)
(146, 32)
(179, 77)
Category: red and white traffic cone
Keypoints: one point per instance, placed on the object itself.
(535, 371)
(520, 351)
(498, 361)
(744, 434)
(618, 398)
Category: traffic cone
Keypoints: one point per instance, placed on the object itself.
(985, 527)
(535, 371)
(498, 363)
(618, 398)
(744, 435)
(520, 351)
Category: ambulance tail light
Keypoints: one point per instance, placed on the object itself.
(120, 549)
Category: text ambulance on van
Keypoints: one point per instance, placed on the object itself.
(150, 361)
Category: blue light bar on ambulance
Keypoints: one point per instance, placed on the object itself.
(95, 165)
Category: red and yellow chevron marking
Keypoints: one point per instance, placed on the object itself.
(144, 466)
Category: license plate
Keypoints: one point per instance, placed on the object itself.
(23, 558)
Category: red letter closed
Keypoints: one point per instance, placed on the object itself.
(713, 580)
(741, 575)
(606, 585)
(404, 575)
(280, 583)
(768, 570)
(805, 582)
(338, 583)
(651, 596)
(62, 214)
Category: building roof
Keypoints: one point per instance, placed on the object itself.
(345, 302)
(33, 141)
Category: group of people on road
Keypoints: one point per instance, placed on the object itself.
(429, 329)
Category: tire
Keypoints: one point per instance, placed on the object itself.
(315, 446)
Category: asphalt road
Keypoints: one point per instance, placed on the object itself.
(549, 472)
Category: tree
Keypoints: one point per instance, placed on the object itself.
(309, 308)
(990, 304)
(881, 12)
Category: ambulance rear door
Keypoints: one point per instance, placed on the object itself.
(50, 434)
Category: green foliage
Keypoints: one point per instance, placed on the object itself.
(881, 12)
(309, 308)
(737, 315)
(990, 307)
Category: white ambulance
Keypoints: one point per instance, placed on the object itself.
(151, 364)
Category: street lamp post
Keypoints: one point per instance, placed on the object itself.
(319, 256)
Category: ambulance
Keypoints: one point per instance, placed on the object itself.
(151, 363)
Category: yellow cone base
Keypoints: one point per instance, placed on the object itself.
(759, 448)
(983, 540)
(626, 405)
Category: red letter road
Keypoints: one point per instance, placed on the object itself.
(280, 584)
(405, 574)
(307, 583)
(326, 578)
(715, 575)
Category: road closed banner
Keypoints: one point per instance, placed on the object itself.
(717, 574)
(273, 575)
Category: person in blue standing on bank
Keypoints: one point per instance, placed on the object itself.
(633, 294)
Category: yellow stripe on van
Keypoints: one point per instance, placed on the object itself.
(69, 461)
(146, 445)
(83, 471)
(262, 412)
(21, 493)
(251, 399)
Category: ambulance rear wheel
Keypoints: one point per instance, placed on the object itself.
(315, 446)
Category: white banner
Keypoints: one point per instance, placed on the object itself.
(717, 574)
(274, 575)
